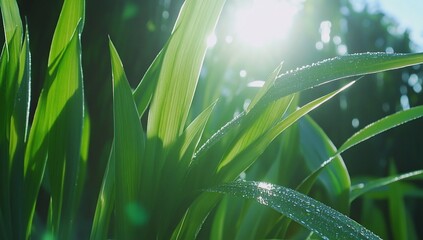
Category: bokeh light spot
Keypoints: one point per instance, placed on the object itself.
(243, 73)
(355, 123)
(136, 214)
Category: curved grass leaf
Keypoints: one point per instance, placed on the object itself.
(313, 215)
(203, 204)
(255, 125)
(367, 132)
(317, 74)
(129, 148)
(316, 148)
(337, 68)
(382, 125)
(245, 158)
(191, 223)
(362, 188)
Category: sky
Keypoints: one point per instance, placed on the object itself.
(407, 13)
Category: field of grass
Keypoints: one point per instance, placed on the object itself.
(268, 171)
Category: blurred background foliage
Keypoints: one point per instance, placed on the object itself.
(320, 29)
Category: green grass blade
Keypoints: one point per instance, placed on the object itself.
(129, 148)
(105, 201)
(174, 182)
(18, 138)
(337, 68)
(382, 125)
(397, 209)
(313, 215)
(256, 124)
(72, 14)
(180, 71)
(56, 132)
(12, 24)
(316, 148)
(65, 99)
(367, 132)
(194, 132)
(319, 73)
(363, 188)
(143, 93)
(245, 158)
(268, 84)
(9, 84)
(191, 223)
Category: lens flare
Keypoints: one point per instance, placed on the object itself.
(264, 21)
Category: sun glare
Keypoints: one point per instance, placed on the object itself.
(264, 21)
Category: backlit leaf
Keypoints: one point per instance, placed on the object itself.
(313, 215)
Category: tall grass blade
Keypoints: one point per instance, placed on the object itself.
(179, 73)
(105, 201)
(129, 148)
(9, 81)
(56, 132)
(367, 132)
(313, 215)
(143, 93)
(9, 85)
(256, 125)
(397, 210)
(337, 68)
(317, 74)
(243, 160)
(72, 14)
(316, 148)
(19, 137)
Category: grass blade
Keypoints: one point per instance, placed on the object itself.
(316, 148)
(18, 138)
(180, 71)
(129, 148)
(72, 14)
(56, 132)
(337, 68)
(315, 216)
(143, 93)
(363, 188)
(9, 84)
(367, 132)
(317, 74)
(243, 160)
(382, 125)
(106, 201)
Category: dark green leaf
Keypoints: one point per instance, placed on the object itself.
(129, 148)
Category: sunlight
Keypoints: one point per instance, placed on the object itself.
(264, 21)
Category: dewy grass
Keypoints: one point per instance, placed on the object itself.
(163, 181)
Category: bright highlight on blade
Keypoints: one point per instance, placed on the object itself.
(264, 21)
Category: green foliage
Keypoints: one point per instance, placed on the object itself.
(166, 160)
